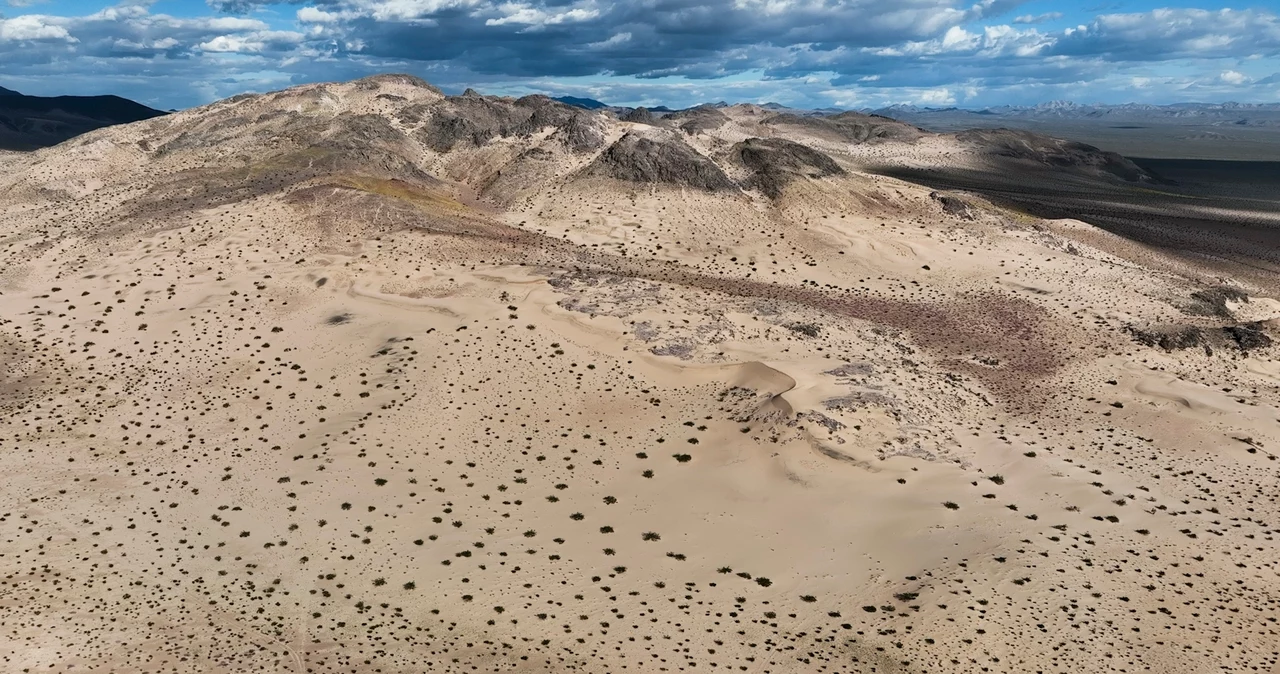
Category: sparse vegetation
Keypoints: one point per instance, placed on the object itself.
(495, 307)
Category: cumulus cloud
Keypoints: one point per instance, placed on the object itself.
(1162, 34)
(251, 43)
(33, 27)
(314, 15)
(937, 97)
(809, 52)
(1233, 77)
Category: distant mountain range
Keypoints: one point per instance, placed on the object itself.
(1243, 113)
(584, 103)
(33, 122)
(1052, 109)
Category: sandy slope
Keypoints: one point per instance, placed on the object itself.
(389, 408)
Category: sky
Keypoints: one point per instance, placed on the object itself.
(802, 53)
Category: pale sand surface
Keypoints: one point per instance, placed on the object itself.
(537, 421)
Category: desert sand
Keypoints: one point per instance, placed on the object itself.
(360, 378)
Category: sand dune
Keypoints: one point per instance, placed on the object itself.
(362, 378)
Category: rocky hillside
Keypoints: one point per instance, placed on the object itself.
(1038, 150)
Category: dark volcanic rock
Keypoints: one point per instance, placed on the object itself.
(576, 129)
(362, 144)
(696, 120)
(775, 162)
(1248, 336)
(1053, 152)
(475, 119)
(952, 205)
(470, 118)
(1213, 301)
(640, 116)
(1245, 337)
(668, 160)
(1171, 338)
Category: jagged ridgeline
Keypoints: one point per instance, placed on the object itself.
(398, 127)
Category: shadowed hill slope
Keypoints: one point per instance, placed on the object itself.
(774, 162)
(31, 122)
(658, 159)
(1052, 152)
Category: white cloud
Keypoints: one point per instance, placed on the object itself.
(250, 43)
(230, 44)
(957, 38)
(1163, 34)
(33, 27)
(313, 15)
(1233, 77)
(1038, 18)
(119, 13)
(520, 13)
(941, 96)
(993, 41)
(230, 23)
(407, 10)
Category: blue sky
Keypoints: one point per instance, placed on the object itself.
(807, 53)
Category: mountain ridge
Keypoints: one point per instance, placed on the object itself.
(33, 122)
